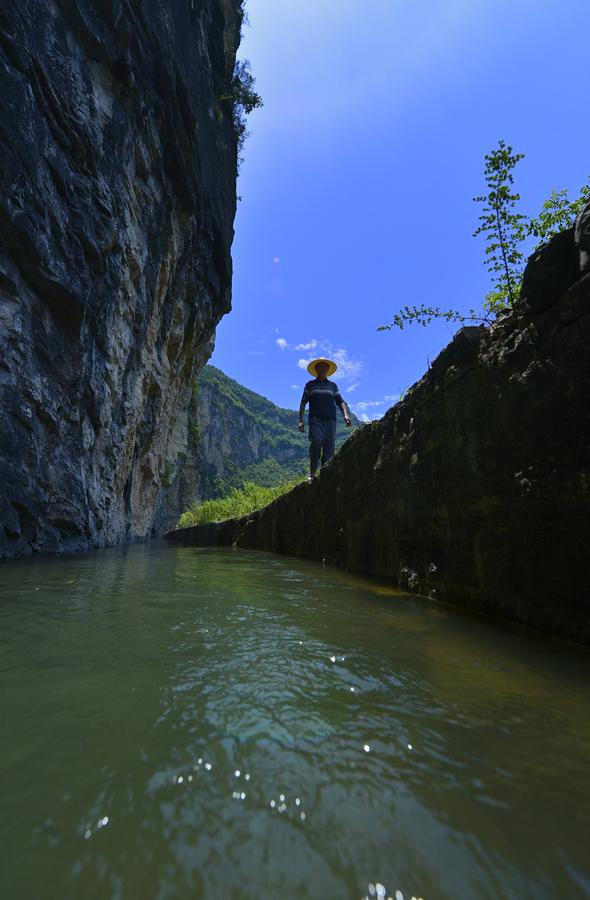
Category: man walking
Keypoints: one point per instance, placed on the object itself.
(323, 396)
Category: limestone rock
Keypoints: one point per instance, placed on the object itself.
(582, 238)
(117, 168)
(550, 272)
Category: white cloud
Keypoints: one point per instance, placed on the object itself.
(352, 387)
(367, 404)
(371, 417)
(369, 410)
(295, 387)
(363, 405)
(348, 369)
(276, 260)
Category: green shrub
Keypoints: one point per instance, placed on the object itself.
(243, 99)
(504, 229)
(240, 502)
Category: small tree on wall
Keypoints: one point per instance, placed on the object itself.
(505, 229)
(244, 100)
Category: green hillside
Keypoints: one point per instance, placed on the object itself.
(242, 437)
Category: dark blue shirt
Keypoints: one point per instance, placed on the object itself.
(322, 397)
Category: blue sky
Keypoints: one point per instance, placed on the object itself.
(360, 170)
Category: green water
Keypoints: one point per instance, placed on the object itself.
(187, 723)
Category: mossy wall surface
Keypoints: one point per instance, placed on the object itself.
(475, 489)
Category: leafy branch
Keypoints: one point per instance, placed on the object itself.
(244, 100)
(557, 214)
(423, 315)
(505, 230)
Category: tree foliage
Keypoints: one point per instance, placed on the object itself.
(507, 232)
(557, 214)
(244, 101)
(240, 91)
(423, 315)
(502, 226)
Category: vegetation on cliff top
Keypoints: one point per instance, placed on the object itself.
(506, 231)
(240, 502)
(244, 99)
(240, 93)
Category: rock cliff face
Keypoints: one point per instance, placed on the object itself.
(475, 489)
(117, 168)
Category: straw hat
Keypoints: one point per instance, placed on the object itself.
(331, 366)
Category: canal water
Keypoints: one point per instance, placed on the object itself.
(202, 723)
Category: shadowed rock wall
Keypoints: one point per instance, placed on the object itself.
(117, 199)
(475, 489)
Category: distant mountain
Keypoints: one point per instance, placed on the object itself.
(238, 435)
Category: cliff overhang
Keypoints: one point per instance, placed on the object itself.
(118, 163)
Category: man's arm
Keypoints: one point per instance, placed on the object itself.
(345, 412)
(302, 412)
(340, 402)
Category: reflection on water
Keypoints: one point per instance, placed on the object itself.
(183, 722)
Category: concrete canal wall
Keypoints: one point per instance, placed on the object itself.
(475, 489)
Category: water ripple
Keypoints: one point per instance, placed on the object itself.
(204, 723)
